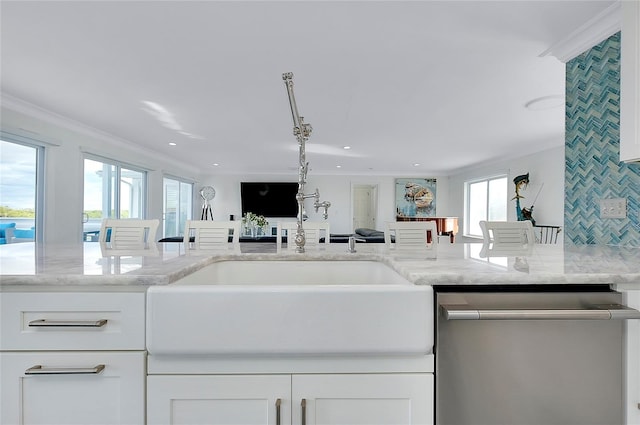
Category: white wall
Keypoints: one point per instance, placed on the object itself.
(546, 170)
(335, 189)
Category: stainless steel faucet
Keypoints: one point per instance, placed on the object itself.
(302, 132)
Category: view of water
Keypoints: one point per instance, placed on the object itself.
(21, 223)
(92, 225)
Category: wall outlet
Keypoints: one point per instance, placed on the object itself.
(613, 208)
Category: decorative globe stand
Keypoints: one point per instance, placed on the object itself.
(207, 193)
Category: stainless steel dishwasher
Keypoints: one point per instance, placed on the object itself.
(516, 355)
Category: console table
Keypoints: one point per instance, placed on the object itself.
(446, 226)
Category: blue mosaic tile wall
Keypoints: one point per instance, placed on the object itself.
(593, 170)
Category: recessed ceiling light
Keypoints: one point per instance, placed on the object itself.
(215, 164)
(545, 102)
(338, 166)
(172, 143)
(346, 147)
(416, 165)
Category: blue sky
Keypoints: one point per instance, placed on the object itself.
(18, 178)
(17, 175)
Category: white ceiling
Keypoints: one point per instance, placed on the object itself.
(439, 83)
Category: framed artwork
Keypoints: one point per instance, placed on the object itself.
(415, 198)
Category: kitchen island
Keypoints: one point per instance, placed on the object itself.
(85, 264)
(73, 311)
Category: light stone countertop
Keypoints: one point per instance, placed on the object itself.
(456, 264)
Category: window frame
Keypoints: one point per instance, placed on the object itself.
(119, 165)
(40, 151)
(467, 201)
(180, 180)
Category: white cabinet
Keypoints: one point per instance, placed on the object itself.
(632, 404)
(72, 358)
(70, 388)
(630, 82)
(218, 399)
(327, 399)
(370, 399)
(72, 321)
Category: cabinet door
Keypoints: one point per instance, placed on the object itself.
(79, 393)
(633, 362)
(380, 399)
(218, 400)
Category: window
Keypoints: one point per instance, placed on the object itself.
(111, 190)
(486, 199)
(178, 205)
(472, 251)
(21, 166)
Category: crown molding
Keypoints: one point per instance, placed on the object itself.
(592, 32)
(37, 112)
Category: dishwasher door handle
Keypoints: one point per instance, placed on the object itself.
(595, 312)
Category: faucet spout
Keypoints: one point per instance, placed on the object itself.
(302, 132)
(325, 206)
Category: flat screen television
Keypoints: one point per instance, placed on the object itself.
(270, 199)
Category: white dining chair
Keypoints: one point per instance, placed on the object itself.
(411, 236)
(129, 233)
(204, 234)
(314, 231)
(508, 234)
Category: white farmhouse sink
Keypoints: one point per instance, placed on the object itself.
(295, 273)
(292, 308)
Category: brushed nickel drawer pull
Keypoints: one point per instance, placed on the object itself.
(42, 370)
(44, 323)
(303, 405)
(597, 312)
(278, 403)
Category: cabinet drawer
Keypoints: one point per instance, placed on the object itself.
(72, 321)
(97, 387)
